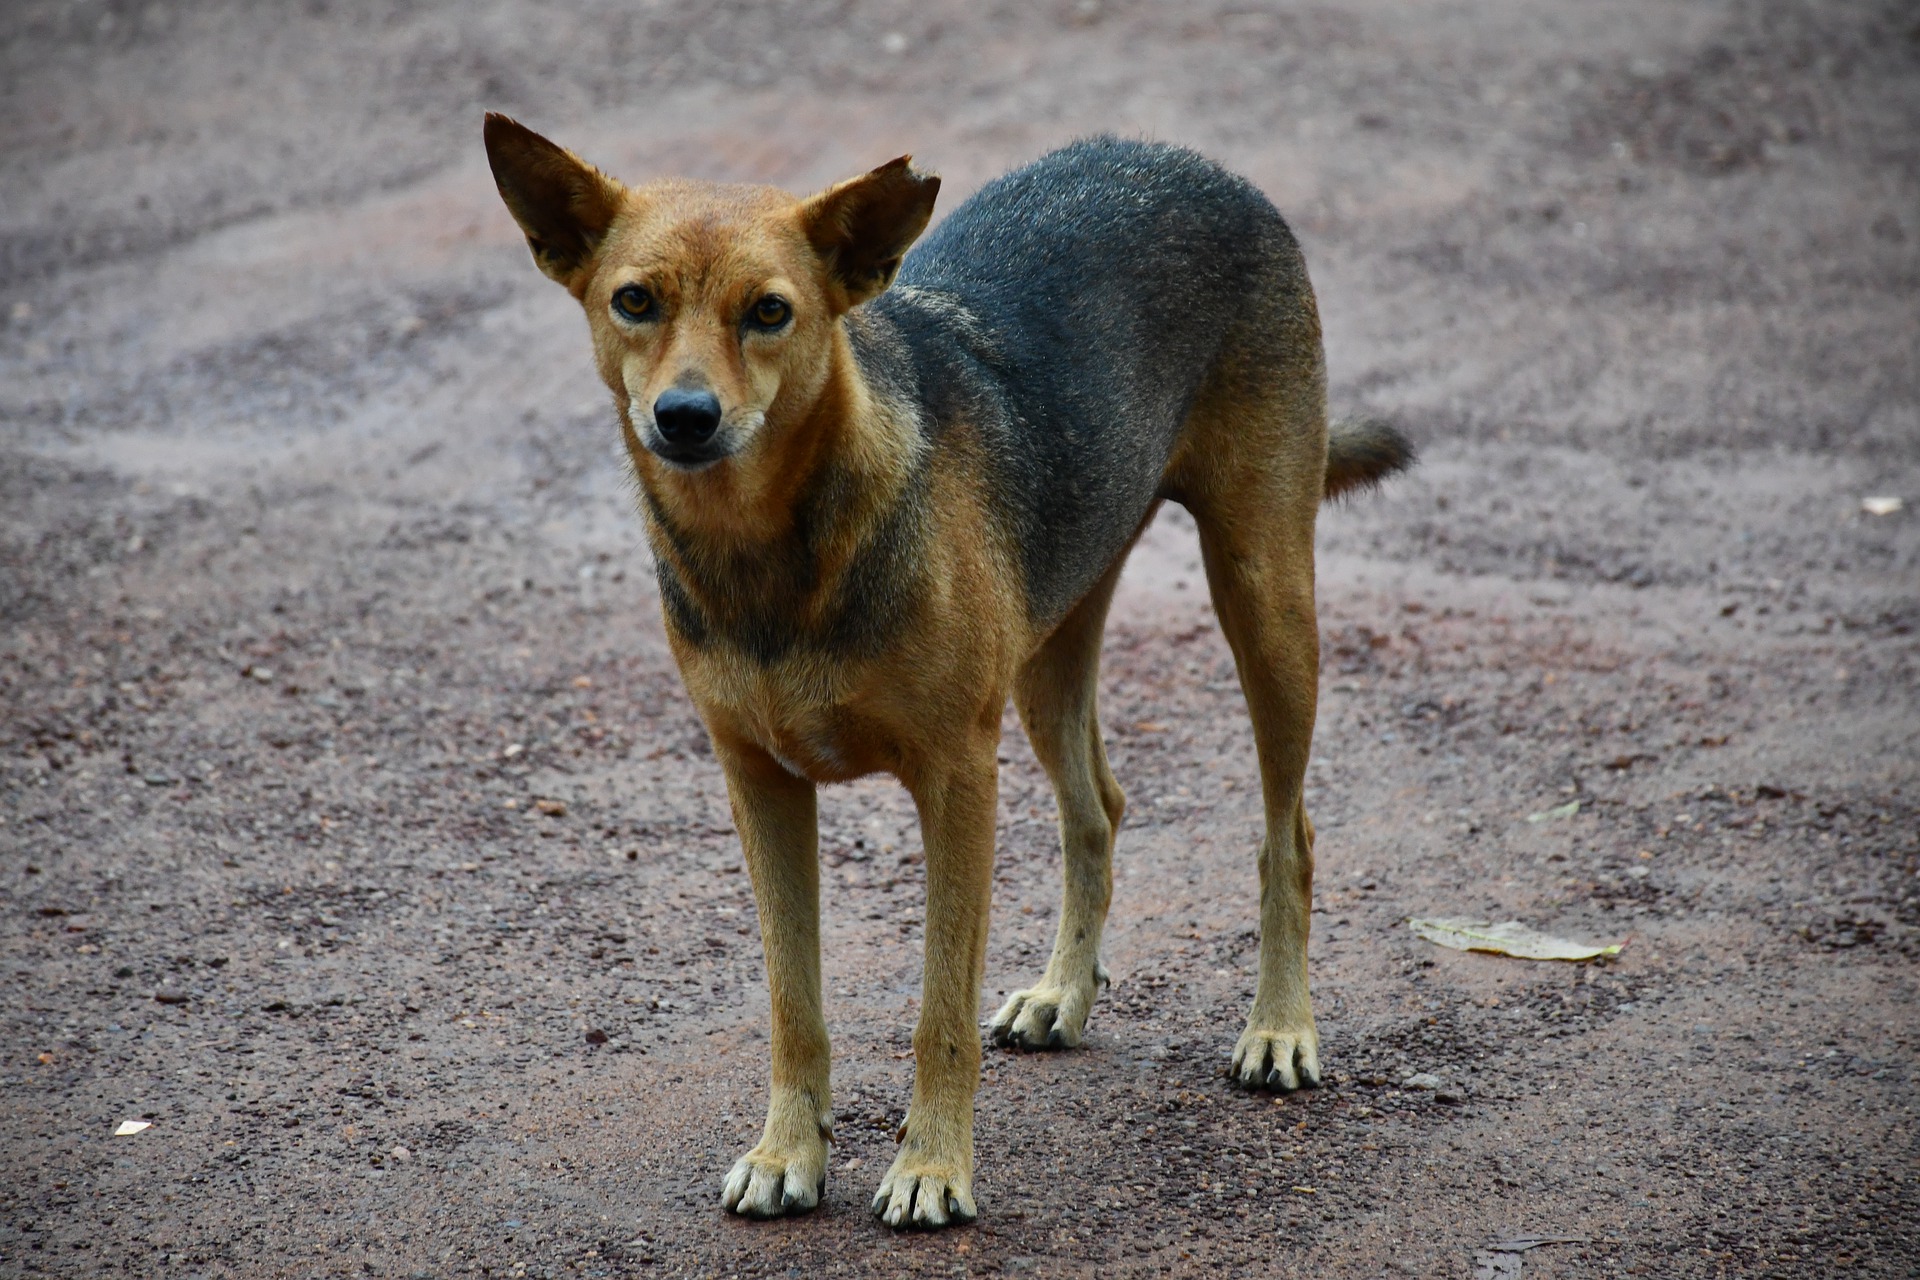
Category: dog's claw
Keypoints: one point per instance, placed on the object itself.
(925, 1201)
(1046, 1016)
(763, 1185)
(1279, 1060)
(791, 1199)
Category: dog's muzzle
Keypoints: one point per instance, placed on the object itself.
(686, 429)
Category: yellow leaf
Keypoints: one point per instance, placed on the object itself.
(1508, 938)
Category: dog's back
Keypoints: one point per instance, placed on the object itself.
(1070, 316)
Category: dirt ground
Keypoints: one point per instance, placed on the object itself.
(319, 573)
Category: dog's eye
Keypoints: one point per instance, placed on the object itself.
(771, 312)
(633, 302)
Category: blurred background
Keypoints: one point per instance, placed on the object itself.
(356, 836)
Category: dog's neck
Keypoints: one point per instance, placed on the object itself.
(758, 546)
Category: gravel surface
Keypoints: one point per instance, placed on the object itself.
(356, 833)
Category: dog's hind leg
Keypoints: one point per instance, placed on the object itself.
(1056, 693)
(1263, 593)
(779, 827)
(1256, 515)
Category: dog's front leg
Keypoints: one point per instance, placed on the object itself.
(931, 1181)
(779, 828)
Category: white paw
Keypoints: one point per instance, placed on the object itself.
(1047, 1016)
(768, 1184)
(925, 1194)
(1284, 1059)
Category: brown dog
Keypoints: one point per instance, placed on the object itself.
(877, 512)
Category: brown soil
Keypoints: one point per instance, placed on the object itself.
(318, 573)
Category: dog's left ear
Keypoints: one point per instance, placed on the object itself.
(562, 203)
(862, 227)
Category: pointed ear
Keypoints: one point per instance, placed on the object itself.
(564, 204)
(862, 227)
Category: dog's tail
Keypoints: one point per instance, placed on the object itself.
(1361, 452)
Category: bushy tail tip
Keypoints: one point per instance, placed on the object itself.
(1361, 452)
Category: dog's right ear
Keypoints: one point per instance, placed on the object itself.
(564, 204)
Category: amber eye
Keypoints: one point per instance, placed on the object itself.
(771, 312)
(633, 302)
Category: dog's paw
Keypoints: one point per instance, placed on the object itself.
(1284, 1059)
(1047, 1016)
(924, 1193)
(768, 1183)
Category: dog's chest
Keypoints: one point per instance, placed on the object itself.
(806, 715)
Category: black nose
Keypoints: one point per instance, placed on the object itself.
(686, 417)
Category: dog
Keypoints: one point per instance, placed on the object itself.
(886, 490)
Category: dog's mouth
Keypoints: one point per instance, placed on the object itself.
(688, 455)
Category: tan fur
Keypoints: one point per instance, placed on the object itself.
(1255, 503)
(928, 708)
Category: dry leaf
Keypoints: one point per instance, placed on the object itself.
(1508, 938)
(1501, 1259)
(129, 1127)
(1490, 1264)
(1494, 1265)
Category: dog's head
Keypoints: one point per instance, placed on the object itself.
(714, 308)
